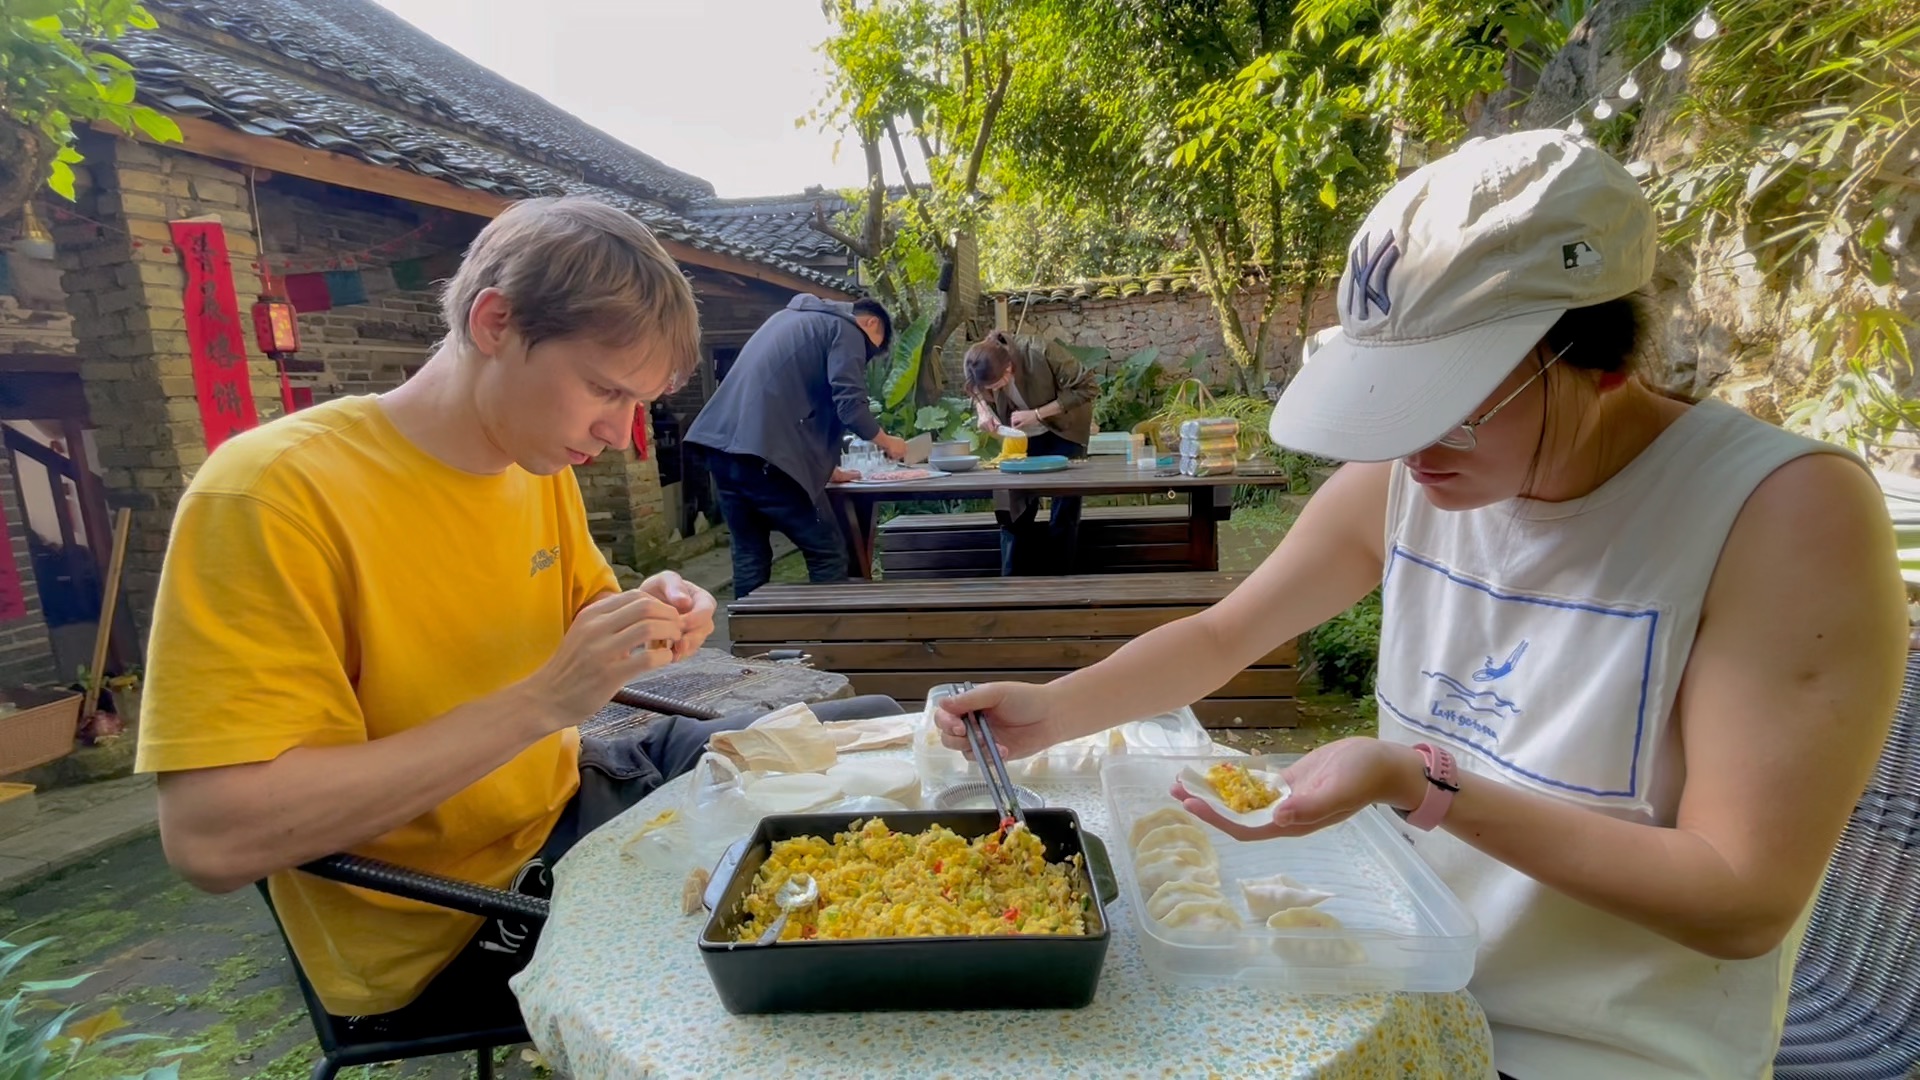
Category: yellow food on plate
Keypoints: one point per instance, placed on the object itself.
(877, 883)
(1242, 792)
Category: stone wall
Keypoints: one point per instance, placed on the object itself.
(26, 654)
(1180, 323)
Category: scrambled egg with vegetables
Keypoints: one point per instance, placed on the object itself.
(1240, 790)
(875, 882)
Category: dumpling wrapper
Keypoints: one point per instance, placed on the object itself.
(1321, 952)
(1198, 786)
(1166, 815)
(1172, 836)
(1201, 915)
(1178, 891)
(1270, 896)
(1175, 864)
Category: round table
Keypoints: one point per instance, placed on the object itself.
(616, 990)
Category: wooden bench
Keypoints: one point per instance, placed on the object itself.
(1113, 539)
(903, 638)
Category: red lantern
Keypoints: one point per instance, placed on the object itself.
(275, 327)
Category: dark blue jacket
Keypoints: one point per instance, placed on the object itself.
(798, 385)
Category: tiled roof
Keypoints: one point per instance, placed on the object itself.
(781, 224)
(1157, 284)
(405, 69)
(194, 80)
(1109, 288)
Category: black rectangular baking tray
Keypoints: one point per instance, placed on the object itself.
(1038, 971)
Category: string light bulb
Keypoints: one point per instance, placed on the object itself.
(1706, 27)
(1629, 89)
(1576, 129)
(1602, 109)
(1670, 60)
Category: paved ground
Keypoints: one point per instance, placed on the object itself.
(210, 971)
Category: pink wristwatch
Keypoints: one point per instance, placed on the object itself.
(1442, 782)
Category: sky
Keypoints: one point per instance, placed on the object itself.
(710, 87)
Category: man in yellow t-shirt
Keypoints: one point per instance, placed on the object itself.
(381, 619)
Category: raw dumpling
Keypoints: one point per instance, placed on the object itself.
(1269, 896)
(1304, 918)
(1200, 785)
(1173, 835)
(1323, 952)
(1175, 864)
(1202, 915)
(1166, 815)
(1177, 891)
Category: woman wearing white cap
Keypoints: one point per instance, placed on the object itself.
(1638, 656)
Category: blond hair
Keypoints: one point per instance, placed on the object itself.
(577, 267)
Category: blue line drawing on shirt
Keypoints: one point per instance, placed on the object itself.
(1485, 701)
(1495, 672)
(1649, 618)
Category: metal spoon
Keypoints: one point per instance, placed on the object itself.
(799, 891)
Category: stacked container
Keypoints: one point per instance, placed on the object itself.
(1209, 446)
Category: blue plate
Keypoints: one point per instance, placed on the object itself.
(1043, 463)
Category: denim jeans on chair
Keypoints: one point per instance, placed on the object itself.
(757, 500)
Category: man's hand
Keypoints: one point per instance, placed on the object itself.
(894, 446)
(612, 641)
(843, 476)
(695, 605)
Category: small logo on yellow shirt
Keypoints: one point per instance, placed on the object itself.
(544, 559)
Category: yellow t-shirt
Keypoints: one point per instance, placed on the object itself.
(329, 582)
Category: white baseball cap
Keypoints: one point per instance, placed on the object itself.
(1456, 273)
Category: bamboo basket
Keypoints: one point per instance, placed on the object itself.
(36, 726)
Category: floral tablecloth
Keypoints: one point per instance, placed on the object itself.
(617, 990)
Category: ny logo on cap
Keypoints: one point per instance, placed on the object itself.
(1367, 278)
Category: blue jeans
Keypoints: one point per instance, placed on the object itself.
(1027, 549)
(756, 500)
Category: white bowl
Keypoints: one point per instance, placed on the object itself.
(954, 464)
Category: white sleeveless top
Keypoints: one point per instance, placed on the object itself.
(1544, 645)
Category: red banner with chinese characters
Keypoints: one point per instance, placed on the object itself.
(214, 331)
(13, 602)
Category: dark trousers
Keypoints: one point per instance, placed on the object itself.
(1028, 549)
(471, 991)
(615, 773)
(757, 500)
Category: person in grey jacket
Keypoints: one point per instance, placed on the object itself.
(771, 434)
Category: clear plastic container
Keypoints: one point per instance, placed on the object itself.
(1402, 928)
(1177, 732)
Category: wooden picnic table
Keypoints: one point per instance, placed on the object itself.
(856, 504)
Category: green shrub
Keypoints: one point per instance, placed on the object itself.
(1345, 650)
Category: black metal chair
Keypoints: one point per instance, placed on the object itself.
(1854, 1013)
(342, 1043)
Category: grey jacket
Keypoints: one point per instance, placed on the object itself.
(798, 385)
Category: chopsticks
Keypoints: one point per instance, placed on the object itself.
(987, 752)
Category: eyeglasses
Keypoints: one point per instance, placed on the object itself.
(1463, 437)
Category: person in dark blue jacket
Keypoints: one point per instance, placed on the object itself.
(771, 434)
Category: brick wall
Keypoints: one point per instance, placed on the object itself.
(367, 348)
(26, 655)
(124, 290)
